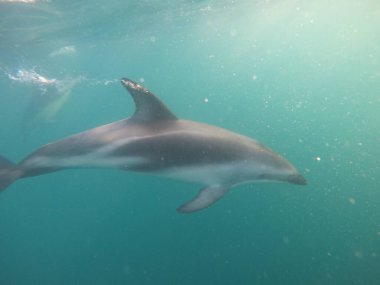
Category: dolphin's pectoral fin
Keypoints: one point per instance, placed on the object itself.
(205, 198)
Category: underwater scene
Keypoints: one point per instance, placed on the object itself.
(285, 92)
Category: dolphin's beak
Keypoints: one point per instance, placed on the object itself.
(297, 179)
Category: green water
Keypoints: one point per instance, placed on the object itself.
(303, 77)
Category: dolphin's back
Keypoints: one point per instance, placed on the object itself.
(185, 143)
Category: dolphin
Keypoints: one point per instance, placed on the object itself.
(153, 140)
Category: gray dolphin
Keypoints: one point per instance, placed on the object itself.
(155, 141)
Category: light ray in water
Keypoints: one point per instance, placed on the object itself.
(49, 94)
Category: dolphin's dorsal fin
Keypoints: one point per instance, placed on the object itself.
(148, 107)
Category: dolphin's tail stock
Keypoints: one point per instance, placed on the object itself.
(8, 173)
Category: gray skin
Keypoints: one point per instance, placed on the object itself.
(155, 141)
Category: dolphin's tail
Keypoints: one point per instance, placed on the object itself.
(8, 175)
